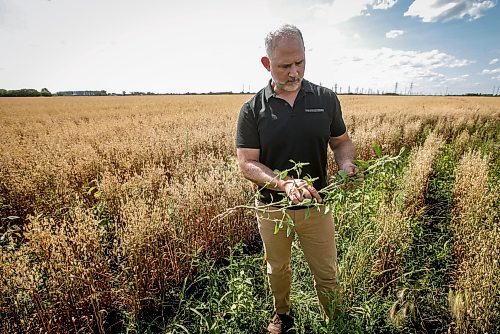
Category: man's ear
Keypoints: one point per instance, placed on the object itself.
(266, 62)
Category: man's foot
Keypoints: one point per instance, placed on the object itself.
(281, 324)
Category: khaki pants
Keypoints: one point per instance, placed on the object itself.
(317, 239)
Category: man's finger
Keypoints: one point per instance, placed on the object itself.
(296, 198)
(351, 171)
(314, 193)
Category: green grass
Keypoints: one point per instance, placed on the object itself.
(428, 263)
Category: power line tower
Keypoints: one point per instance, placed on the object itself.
(396, 88)
(411, 88)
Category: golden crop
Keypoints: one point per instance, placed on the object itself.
(115, 195)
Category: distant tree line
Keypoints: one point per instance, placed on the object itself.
(25, 92)
(82, 93)
(28, 92)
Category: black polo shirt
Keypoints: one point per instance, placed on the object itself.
(283, 133)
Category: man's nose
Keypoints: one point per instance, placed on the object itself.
(294, 71)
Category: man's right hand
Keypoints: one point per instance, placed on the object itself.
(298, 190)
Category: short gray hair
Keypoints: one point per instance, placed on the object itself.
(283, 32)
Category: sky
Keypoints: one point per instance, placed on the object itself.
(164, 46)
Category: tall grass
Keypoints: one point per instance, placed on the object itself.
(106, 204)
(474, 299)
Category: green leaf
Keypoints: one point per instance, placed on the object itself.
(183, 328)
(356, 206)
(308, 213)
(362, 164)
(91, 189)
(310, 180)
(276, 228)
(306, 201)
(377, 149)
(343, 173)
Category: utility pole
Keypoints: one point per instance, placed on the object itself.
(411, 87)
(335, 90)
(396, 88)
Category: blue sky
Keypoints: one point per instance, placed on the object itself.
(430, 46)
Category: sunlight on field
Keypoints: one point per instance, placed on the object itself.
(107, 203)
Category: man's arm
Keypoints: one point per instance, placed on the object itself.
(253, 170)
(258, 173)
(345, 153)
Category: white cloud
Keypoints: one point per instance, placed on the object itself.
(461, 78)
(442, 10)
(495, 71)
(394, 33)
(494, 61)
(379, 69)
(342, 10)
(383, 4)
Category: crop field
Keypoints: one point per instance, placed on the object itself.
(109, 207)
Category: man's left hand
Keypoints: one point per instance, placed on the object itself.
(350, 168)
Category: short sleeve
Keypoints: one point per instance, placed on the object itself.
(247, 134)
(337, 128)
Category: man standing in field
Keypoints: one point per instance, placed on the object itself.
(293, 119)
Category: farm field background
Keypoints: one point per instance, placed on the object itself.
(107, 209)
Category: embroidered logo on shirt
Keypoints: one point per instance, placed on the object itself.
(315, 110)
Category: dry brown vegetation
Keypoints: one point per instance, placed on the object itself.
(115, 195)
(475, 300)
(393, 219)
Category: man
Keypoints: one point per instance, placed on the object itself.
(293, 118)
